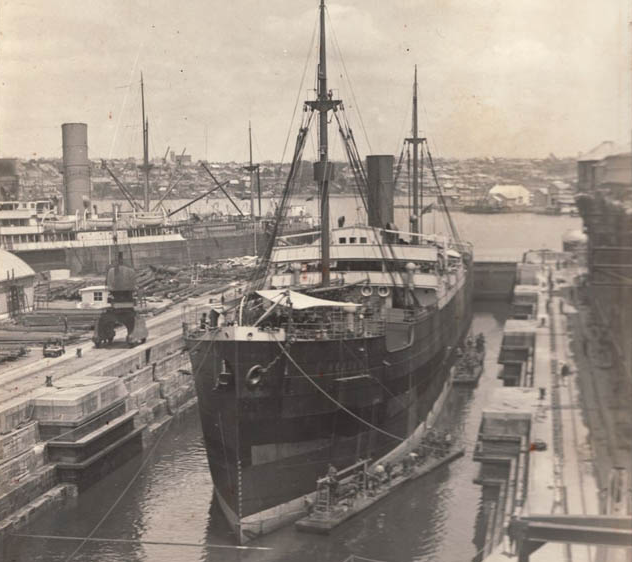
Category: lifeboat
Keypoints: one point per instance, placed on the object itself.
(141, 220)
(59, 224)
(99, 223)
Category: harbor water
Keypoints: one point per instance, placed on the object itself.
(165, 495)
(506, 235)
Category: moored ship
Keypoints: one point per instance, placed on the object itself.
(341, 347)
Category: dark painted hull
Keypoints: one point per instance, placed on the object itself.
(268, 445)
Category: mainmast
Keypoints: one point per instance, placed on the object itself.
(323, 169)
(415, 160)
(146, 166)
(253, 168)
(415, 140)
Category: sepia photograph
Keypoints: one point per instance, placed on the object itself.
(315, 281)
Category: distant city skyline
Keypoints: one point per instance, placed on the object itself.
(506, 79)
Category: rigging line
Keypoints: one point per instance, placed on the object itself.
(398, 168)
(139, 541)
(131, 80)
(260, 272)
(125, 490)
(342, 60)
(341, 406)
(453, 228)
(300, 89)
(405, 118)
(342, 128)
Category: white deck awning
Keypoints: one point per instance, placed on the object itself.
(300, 301)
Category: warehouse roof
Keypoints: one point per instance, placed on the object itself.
(606, 148)
(511, 191)
(13, 267)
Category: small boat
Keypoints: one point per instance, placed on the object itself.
(99, 223)
(141, 220)
(469, 368)
(59, 225)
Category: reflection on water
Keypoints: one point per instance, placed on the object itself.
(433, 518)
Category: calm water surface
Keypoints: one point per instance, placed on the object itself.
(434, 518)
(504, 235)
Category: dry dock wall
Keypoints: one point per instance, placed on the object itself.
(55, 441)
(494, 280)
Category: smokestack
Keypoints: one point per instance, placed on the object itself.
(9, 179)
(380, 183)
(76, 167)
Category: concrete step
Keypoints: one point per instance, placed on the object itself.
(28, 489)
(16, 469)
(23, 515)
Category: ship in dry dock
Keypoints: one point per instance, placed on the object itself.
(340, 348)
(71, 234)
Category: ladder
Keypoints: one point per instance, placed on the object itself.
(323, 505)
(41, 294)
(17, 300)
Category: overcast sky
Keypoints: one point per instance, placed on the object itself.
(497, 77)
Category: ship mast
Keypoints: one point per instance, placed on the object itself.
(253, 168)
(146, 166)
(323, 169)
(415, 140)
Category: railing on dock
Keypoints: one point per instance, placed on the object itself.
(331, 488)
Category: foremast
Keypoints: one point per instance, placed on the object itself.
(323, 168)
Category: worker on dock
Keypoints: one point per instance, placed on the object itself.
(332, 476)
(511, 531)
(447, 442)
(380, 472)
(388, 471)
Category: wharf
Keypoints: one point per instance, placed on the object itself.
(534, 446)
(323, 524)
(103, 407)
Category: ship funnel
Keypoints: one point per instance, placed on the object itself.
(9, 179)
(76, 167)
(380, 184)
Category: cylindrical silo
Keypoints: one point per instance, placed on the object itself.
(76, 167)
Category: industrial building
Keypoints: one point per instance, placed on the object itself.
(605, 204)
(514, 196)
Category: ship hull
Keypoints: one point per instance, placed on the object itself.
(94, 259)
(266, 447)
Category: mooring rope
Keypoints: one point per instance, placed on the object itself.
(330, 397)
(125, 490)
(141, 541)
